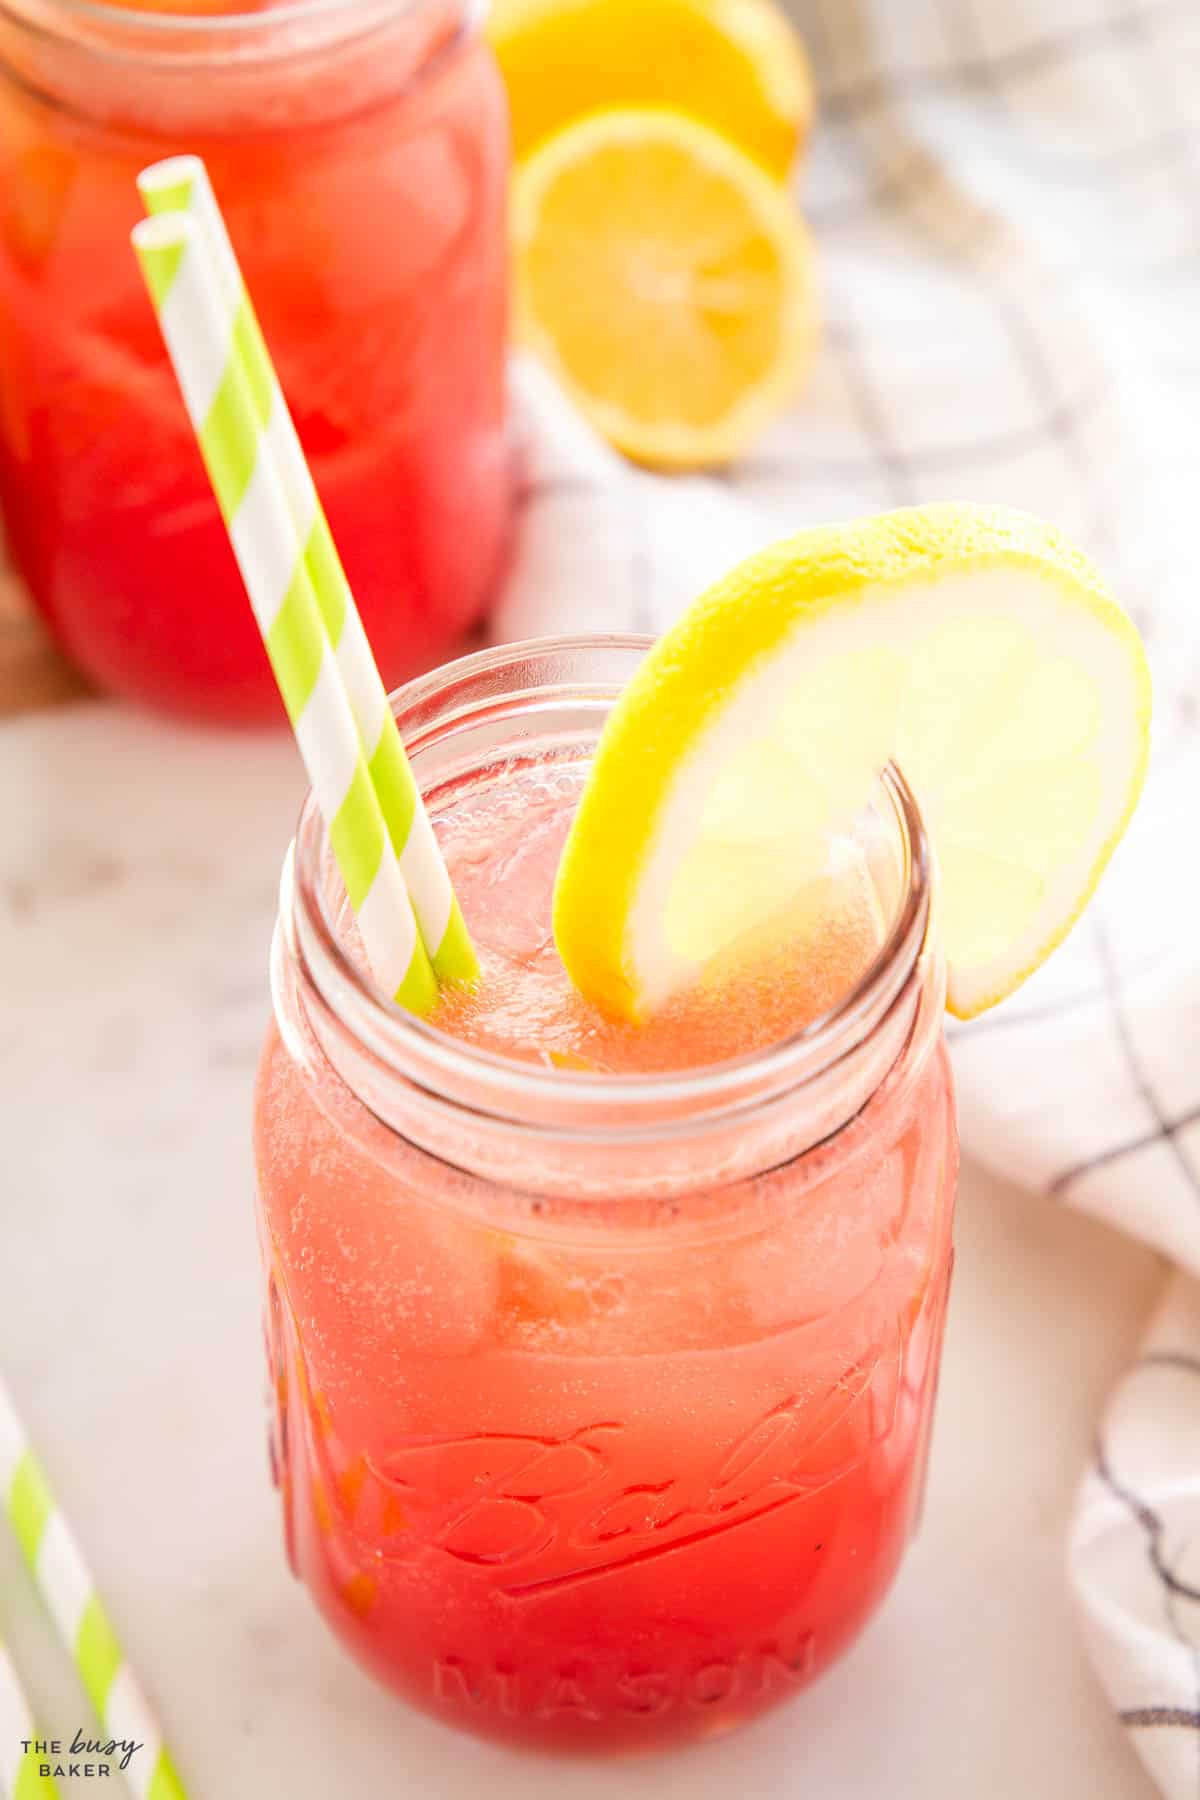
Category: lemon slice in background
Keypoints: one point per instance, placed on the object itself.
(736, 65)
(667, 282)
(972, 645)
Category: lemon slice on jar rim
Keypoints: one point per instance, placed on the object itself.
(974, 646)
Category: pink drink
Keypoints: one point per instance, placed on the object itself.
(603, 1399)
(503, 848)
(359, 150)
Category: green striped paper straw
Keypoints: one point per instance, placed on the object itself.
(228, 423)
(56, 1563)
(181, 184)
(19, 1776)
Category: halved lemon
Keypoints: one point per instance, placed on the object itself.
(972, 645)
(666, 280)
(737, 65)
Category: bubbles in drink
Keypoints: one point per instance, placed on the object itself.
(534, 1419)
(503, 842)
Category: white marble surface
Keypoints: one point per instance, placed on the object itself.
(137, 876)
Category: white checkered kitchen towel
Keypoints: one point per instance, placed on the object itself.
(1006, 195)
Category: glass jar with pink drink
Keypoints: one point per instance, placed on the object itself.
(603, 1356)
(359, 150)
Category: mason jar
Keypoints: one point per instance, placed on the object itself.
(601, 1402)
(359, 150)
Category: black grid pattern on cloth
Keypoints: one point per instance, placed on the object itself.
(1173, 1588)
(1163, 1129)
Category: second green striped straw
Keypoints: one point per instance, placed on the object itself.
(57, 1565)
(181, 184)
(20, 1768)
(228, 426)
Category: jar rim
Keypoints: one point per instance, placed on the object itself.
(505, 1087)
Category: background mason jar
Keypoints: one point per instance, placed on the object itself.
(359, 149)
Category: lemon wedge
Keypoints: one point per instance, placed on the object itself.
(973, 646)
(666, 280)
(737, 65)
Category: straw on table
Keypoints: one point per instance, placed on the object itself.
(181, 184)
(56, 1563)
(250, 495)
(19, 1770)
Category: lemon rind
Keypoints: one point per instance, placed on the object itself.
(670, 444)
(688, 678)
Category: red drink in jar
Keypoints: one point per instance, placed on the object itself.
(603, 1356)
(360, 154)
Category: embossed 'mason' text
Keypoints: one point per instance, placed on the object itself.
(589, 1693)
